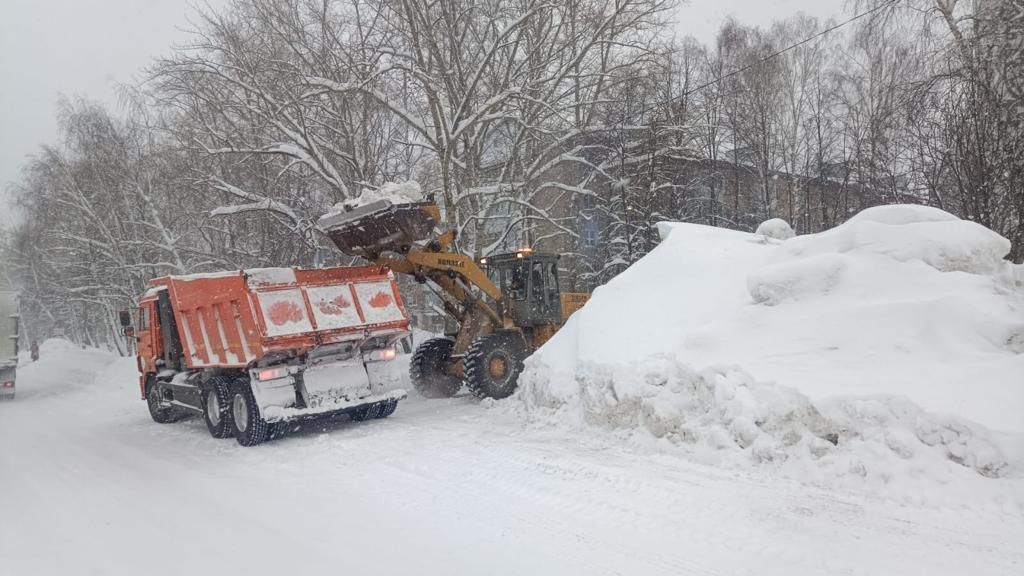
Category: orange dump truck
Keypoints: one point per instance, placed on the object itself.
(253, 348)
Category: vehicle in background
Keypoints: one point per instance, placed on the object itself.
(250, 349)
(9, 318)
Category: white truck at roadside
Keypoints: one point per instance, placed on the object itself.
(8, 344)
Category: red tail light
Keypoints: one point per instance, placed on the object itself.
(383, 354)
(271, 373)
(9, 384)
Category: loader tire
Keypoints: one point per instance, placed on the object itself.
(249, 427)
(428, 369)
(494, 363)
(217, 408)
(160, 415)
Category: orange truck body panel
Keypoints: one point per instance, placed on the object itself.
(233, 319)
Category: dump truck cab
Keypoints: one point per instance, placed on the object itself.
(529, 286)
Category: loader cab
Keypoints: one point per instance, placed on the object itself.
(529, 285)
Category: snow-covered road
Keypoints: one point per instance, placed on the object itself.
(90, 485)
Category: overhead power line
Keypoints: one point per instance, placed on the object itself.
(792, 46)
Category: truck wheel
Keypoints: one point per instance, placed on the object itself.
(217, 408)
(428, 369)
(250, 428)
(364, 412)
(378, 410)
(493, 364)
(160, 414)
(387, 409)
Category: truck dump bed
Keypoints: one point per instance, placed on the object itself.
(234, 319)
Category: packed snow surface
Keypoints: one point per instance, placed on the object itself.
(90, 485)
(882, 352)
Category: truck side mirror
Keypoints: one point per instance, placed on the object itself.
(126, 318)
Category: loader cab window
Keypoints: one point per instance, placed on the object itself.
(537, 281)
(552, 282)
(516, 275)
(544, 282)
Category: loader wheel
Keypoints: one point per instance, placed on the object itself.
(217, 408)
(428, 369)
(493, 364)
(250, 428)
(160, 415)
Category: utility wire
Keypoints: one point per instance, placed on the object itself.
(791, 47)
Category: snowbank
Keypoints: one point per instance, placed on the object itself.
(883, 349)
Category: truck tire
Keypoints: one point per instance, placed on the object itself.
(387, 409)
(249, 427)
(364, 412)
(378, 410)
(428, 369)
(160, 415)
(493, 364)
(217, 408)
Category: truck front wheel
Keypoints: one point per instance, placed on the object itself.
(161, 414)
(429, 369)
(250, 428)
(217, 408)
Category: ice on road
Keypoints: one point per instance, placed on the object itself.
(90, 485)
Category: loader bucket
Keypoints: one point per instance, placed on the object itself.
(380, 227)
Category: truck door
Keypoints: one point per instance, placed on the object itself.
(147, 341)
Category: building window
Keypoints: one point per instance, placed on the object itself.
(589, 237)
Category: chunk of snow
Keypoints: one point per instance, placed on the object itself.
(264, 276)
(776, 229)
(394, 192)
(899, 334)
(206, 275)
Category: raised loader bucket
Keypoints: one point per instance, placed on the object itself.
(380, 226)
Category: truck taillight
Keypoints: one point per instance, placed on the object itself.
(9, 384)
(271, 373)
(380, 355)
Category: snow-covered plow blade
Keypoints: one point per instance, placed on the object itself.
(380, 226)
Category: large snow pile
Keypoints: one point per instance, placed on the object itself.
(884, 349)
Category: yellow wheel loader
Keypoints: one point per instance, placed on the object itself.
(506, 306)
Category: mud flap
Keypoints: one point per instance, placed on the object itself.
(337, 381)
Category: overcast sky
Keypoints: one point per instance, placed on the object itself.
(88, 47)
